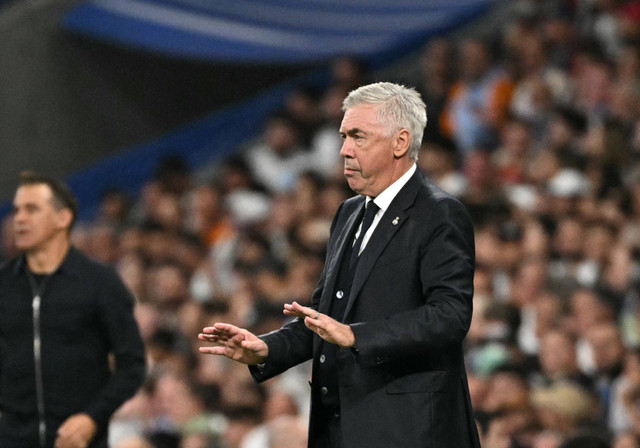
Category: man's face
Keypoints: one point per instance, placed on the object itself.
(35, 219)
(367, 151)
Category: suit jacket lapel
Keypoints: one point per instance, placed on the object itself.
(333, 266)
(389, 224)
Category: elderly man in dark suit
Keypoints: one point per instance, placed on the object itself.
(394, 302)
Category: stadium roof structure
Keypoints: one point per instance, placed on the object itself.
(246, 31)
(269, 31)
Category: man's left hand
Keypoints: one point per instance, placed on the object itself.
(324, 326)
(76, 432)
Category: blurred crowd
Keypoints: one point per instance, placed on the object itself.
(535, 126)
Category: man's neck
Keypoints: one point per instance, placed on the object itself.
(400, 167)
(386, 196)
(47, 259)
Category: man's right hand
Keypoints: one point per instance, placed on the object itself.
(234, 343)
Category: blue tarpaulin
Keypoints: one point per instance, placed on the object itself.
(268, 31)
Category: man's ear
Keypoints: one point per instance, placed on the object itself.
(401, 143)
(64, 218)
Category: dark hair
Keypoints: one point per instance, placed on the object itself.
(62, 196)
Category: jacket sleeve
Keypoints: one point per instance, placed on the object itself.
(115, 304)
(445, 268)
(288, 346)
(293, 343)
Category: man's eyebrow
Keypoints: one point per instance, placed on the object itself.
(27, 205)
(352, 131)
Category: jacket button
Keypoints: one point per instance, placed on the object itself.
(322, 359)
(340, 294)
(379, 360)
(324, 391)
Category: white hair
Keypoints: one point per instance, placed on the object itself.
(400, 107)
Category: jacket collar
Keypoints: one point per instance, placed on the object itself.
(69, 264)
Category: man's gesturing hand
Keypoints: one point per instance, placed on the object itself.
(76, 432)
(327, 328)
(234, 343)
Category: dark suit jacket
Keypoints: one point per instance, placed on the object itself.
(410, 308)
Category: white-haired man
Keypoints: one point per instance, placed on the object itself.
(394, 302)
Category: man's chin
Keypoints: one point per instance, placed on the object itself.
(353, 185)
(23, 246)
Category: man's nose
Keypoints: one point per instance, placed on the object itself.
(346, 150)
(18, 216)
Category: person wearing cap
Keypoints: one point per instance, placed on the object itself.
(393, 304)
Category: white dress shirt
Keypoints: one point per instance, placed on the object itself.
(383, 200)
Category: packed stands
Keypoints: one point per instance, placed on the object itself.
(534, 126)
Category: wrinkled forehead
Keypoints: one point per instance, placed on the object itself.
(361, 116)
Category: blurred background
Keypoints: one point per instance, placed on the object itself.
(201, 139)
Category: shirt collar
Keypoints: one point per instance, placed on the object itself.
(69, 264)
(384, 199)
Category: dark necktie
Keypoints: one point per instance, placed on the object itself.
(369, 214)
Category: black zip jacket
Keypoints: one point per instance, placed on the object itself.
(85, 314)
